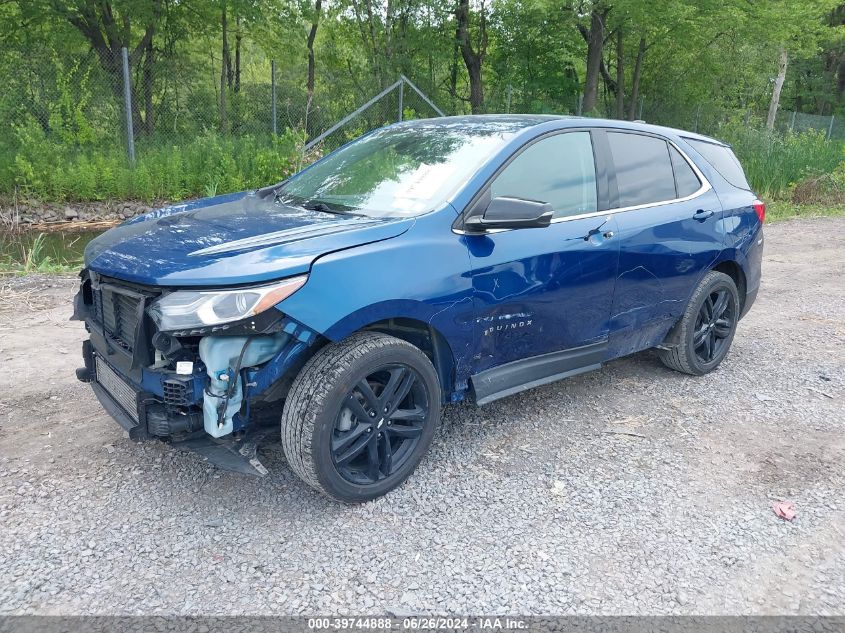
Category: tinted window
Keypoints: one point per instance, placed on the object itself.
(686, 182)
(559, 170)
(643, 169)
(723, 160)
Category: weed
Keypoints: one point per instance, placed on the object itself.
(774, 162)
(48, 170)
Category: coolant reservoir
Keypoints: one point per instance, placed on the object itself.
(220, 355)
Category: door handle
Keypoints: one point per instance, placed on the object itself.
(702, 214)
(605, 234)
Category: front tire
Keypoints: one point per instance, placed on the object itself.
(703, 336)
(360, 416)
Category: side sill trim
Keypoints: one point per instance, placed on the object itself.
(510, 378)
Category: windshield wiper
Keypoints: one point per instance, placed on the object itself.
(313, 205)
(325, 208)
(321, 206)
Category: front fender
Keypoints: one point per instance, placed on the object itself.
(423, 274)
(391, 309)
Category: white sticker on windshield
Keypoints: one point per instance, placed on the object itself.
(424, 181)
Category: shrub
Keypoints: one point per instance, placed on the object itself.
(48, 170)
(828, 189)
(775, 161)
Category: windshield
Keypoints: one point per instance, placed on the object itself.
(400, 171)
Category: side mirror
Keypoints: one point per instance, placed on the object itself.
(512, 213)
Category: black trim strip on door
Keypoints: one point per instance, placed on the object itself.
(519, 375)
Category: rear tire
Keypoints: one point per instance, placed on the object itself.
(360, 416)
(701, 339)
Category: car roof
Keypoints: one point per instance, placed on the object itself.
(655, 129)
(520, 122)
(484, 122)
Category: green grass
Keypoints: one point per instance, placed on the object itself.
(802, 167)
(774, 162)
(48, 171)
(779, 210)
(53, 268)
(23, 256)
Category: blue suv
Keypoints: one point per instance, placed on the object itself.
(425, 263)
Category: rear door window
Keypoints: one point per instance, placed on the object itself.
(644, 172)
(723, 160)
(686, 182)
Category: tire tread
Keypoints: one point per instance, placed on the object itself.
(677, 356)
(308, 393)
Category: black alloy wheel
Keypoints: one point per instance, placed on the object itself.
(703, 335)
(380, 424)
(714, 325)
(360, 416)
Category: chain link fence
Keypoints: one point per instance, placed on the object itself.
(831, 126)
(203, 127)
(73, 101)
(101, 99)
(709, 118)
(84, 100)
(102, 124)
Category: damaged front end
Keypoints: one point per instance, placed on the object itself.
(206, 370)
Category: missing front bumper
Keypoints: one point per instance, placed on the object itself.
(236, 454)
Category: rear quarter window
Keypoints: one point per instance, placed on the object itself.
(723, 160)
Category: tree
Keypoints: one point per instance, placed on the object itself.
(225, 70)
(312, 35)
(775, 102)
(635, 81)
(473, 55)
(230, 69)
(792, 25)
(594, 37)
(534, 57)
(109, 26)
(620, 74)
(197, 64)
(309, 82)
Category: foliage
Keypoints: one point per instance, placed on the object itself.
(826, 188)
(775, 162)
(200, 80)
(780, 210)
(535, 60)
(22, 253)
(50, 170)
(719, 54)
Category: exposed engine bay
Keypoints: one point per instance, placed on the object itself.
(213, 390)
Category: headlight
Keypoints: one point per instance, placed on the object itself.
(186, 309)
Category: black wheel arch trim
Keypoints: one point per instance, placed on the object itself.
(431, 342)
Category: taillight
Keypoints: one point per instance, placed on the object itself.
(760, 210)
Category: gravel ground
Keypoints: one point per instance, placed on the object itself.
(631, 490)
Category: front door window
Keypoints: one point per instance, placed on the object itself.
(559, 170)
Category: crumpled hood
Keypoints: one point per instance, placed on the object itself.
(232, 239)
